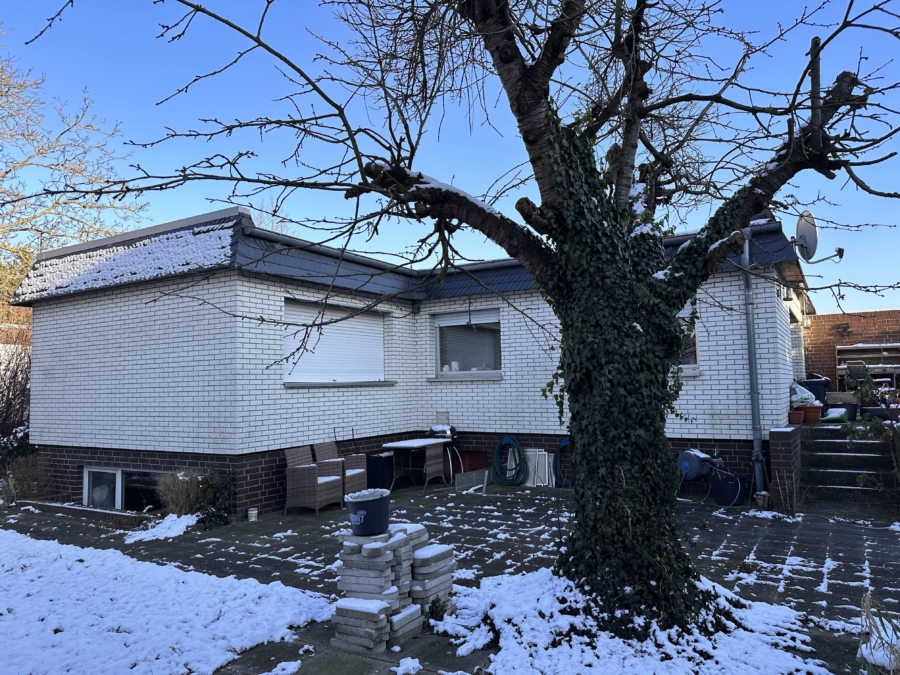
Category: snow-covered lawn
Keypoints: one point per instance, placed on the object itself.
(67, 609)
(532, 611)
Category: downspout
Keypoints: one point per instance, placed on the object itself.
(759, 474)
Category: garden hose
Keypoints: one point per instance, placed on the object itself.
(520, 471)
(567, 483)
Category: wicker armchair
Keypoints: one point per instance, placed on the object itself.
(310, 485)
(354, 466)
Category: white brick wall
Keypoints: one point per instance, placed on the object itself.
(143, 368)
(718, 400)
(137, 367)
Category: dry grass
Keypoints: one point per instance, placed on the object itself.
(180, 492)
(881, 633)
(30, 479)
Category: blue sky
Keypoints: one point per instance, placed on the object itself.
(110, 48)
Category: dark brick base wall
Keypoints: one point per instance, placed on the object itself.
(260, 476)
(736, 454)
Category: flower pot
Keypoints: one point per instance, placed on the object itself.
(369, 511)
(811, 414)
(852, 410)
(795, 417)
(252, 514)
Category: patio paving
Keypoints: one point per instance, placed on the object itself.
(815, 565)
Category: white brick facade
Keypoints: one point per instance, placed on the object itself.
(718, 399)
(145, 367)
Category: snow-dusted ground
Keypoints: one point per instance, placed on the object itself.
(530, 612)
(67, 609)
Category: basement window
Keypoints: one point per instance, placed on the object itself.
(103, 488)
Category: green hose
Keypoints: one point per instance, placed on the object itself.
(567, 483)
(499, 471)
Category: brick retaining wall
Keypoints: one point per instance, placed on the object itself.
(827, 331)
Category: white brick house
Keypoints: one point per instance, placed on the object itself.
(164, 347)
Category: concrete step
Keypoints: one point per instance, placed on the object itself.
(822, 432)
(844, 477)
(867, 446)
(838, 493)
(859, 461)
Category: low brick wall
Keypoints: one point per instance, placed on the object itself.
(784, 476)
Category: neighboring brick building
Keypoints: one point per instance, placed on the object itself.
(828, 331)
(145, 358)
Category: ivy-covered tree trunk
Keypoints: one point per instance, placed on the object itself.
(621, 340)
(624, 547)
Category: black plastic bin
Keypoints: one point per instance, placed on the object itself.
(730, 490)
(379, 470)
(371, 516)
(818, 386)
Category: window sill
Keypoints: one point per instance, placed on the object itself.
(332, 385)
(468, 376)
(690, 371)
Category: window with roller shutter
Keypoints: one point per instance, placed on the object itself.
(348, 351)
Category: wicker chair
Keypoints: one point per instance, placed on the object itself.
(310, 485)
(355, 478)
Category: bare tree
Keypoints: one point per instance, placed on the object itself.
(624, 118)
(44, 148)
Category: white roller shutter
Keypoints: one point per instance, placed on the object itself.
(348, 351)
(462, 318)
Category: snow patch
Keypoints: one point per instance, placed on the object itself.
(407, 666)
(533, 611)
(168, 527)
(99, 611)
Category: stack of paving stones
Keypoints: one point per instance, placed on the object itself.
(361, 625)
(382, 569)
(432, 572)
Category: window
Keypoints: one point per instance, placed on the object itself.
(347, 352)
(468, 344)
(689, 351)
(102, 488)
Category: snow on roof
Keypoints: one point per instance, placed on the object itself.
(196, 248)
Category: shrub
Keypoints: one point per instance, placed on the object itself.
(218, 493)
(211, 495)
(27, 478)
(14, 445)
(180, 492)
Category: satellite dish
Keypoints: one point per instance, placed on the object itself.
(807, 238)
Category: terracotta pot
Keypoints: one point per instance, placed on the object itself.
(795, 416)
(811, 414)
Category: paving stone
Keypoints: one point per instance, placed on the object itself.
(363, 565)
(360, 608)
(379, 647)
(359, 623)
(431, 554)
(375, 550)
(355, 539)
(366, 574)
(405, 616)
(420, 574)
(380, 635)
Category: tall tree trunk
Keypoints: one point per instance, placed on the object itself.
(621, 339)
(624, 547)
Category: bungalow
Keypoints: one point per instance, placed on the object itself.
(177, 346)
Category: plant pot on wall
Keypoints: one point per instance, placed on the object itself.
(811, 414)
(795, 416)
